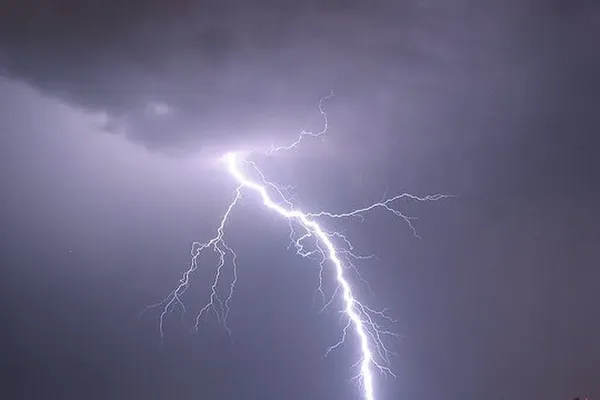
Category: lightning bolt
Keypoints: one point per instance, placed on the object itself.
(314, 241)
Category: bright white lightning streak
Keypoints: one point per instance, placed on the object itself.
(313, 227)
(362, 318)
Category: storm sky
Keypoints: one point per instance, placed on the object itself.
(112, 116)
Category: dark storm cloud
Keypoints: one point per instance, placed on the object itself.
(235, 73)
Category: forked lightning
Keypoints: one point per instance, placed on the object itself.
(332, 248)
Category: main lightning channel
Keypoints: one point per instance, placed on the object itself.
(313, 227)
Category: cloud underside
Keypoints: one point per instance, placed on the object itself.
(205, 76)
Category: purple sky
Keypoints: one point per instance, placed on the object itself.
(111, 117)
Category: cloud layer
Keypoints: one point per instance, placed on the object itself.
(201, 74)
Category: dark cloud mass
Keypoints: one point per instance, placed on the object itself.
(237, 73)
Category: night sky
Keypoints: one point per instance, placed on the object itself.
(112, 115)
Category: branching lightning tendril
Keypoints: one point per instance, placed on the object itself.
(330, 247)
